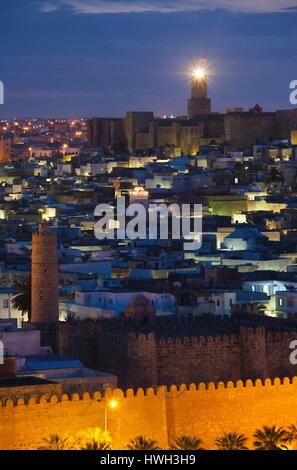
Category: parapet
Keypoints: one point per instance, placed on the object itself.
(171, 392)
(216, 341)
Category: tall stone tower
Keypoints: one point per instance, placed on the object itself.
(199, 103)
(45, 276)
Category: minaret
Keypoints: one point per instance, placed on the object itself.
(45, 276)
(199, 103)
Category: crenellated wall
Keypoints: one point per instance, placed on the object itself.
(144, 359)
(277, 354)
(198, 359)
(206, 411)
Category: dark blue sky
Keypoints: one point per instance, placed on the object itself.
(57, 60)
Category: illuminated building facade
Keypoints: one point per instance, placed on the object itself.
(236, 128)
(199, 103)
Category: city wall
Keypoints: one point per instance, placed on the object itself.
(143, 360)
(163, 413)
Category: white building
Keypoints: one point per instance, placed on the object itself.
(269, 287)
(286, 303)
(223, 302)
(111, 303)
(277, 304)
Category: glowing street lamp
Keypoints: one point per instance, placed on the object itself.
(65, 147)
(111, 405)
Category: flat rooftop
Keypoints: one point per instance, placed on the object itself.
(23, 382)
(47, 362)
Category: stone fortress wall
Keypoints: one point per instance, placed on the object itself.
(148, 359)
(161, 413)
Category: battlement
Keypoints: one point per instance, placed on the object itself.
(121, 394)
(163, 413)
(186, 350)
(252, 331)
(44, 236)
(280, 336)
(232, 338)
(198, 340)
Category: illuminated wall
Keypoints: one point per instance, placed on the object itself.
(294, 137)
(163, 414)
(227, 205)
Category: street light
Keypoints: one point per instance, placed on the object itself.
(112, 404)
(65, 147)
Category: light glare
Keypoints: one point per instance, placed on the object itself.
(199, 73)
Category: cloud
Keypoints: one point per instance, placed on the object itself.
(167, 6)
(50, 7)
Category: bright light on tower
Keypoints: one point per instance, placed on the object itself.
(199, 73)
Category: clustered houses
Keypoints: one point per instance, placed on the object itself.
(248, 257)
(124, 304)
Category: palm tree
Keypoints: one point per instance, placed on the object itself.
(94, 439)
(271, 438)
(231, 441)
(55, 442)
(142, 443)
(185, 442)
(22, 299)
(292, 433)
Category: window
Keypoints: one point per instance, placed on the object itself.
(5, 303)
(280, 302)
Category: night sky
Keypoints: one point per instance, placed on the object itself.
(103, 57)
